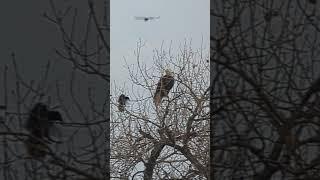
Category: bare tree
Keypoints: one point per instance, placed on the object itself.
(265, 61)
(83, 151)
(171, 141)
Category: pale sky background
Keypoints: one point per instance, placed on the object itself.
(180, 20)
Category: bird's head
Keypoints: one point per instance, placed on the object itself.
(123, 97)
(39, 109)
(169, 72)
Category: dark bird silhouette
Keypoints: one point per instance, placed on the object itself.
(313, 1)
(39, 124)
(163, 88)
(146, 18)
(36, 148)
(122, 101)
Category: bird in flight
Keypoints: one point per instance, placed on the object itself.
(146, 18)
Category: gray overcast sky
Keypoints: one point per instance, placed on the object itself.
(179, 20)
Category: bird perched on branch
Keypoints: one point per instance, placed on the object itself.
(39, 125)
(122, 101)
(164, 86)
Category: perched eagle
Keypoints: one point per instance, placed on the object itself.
(39, 125)
(147, 18)
(163, 88)
(122, 102)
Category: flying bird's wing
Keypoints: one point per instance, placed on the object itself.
(158, 17)
(140, 18)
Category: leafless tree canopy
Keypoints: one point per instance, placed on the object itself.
(264, 75)
(171, 141)
(84, 52)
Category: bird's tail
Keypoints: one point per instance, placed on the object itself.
(157, 99)
(121, 107)
(35, 149)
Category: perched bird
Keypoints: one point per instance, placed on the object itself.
(147, 18)
(41, 120)
(163, 88)
(39, 125)
(122, 101)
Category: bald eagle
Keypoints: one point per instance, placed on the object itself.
(39, 124)
(122, 102)
(163, 88)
